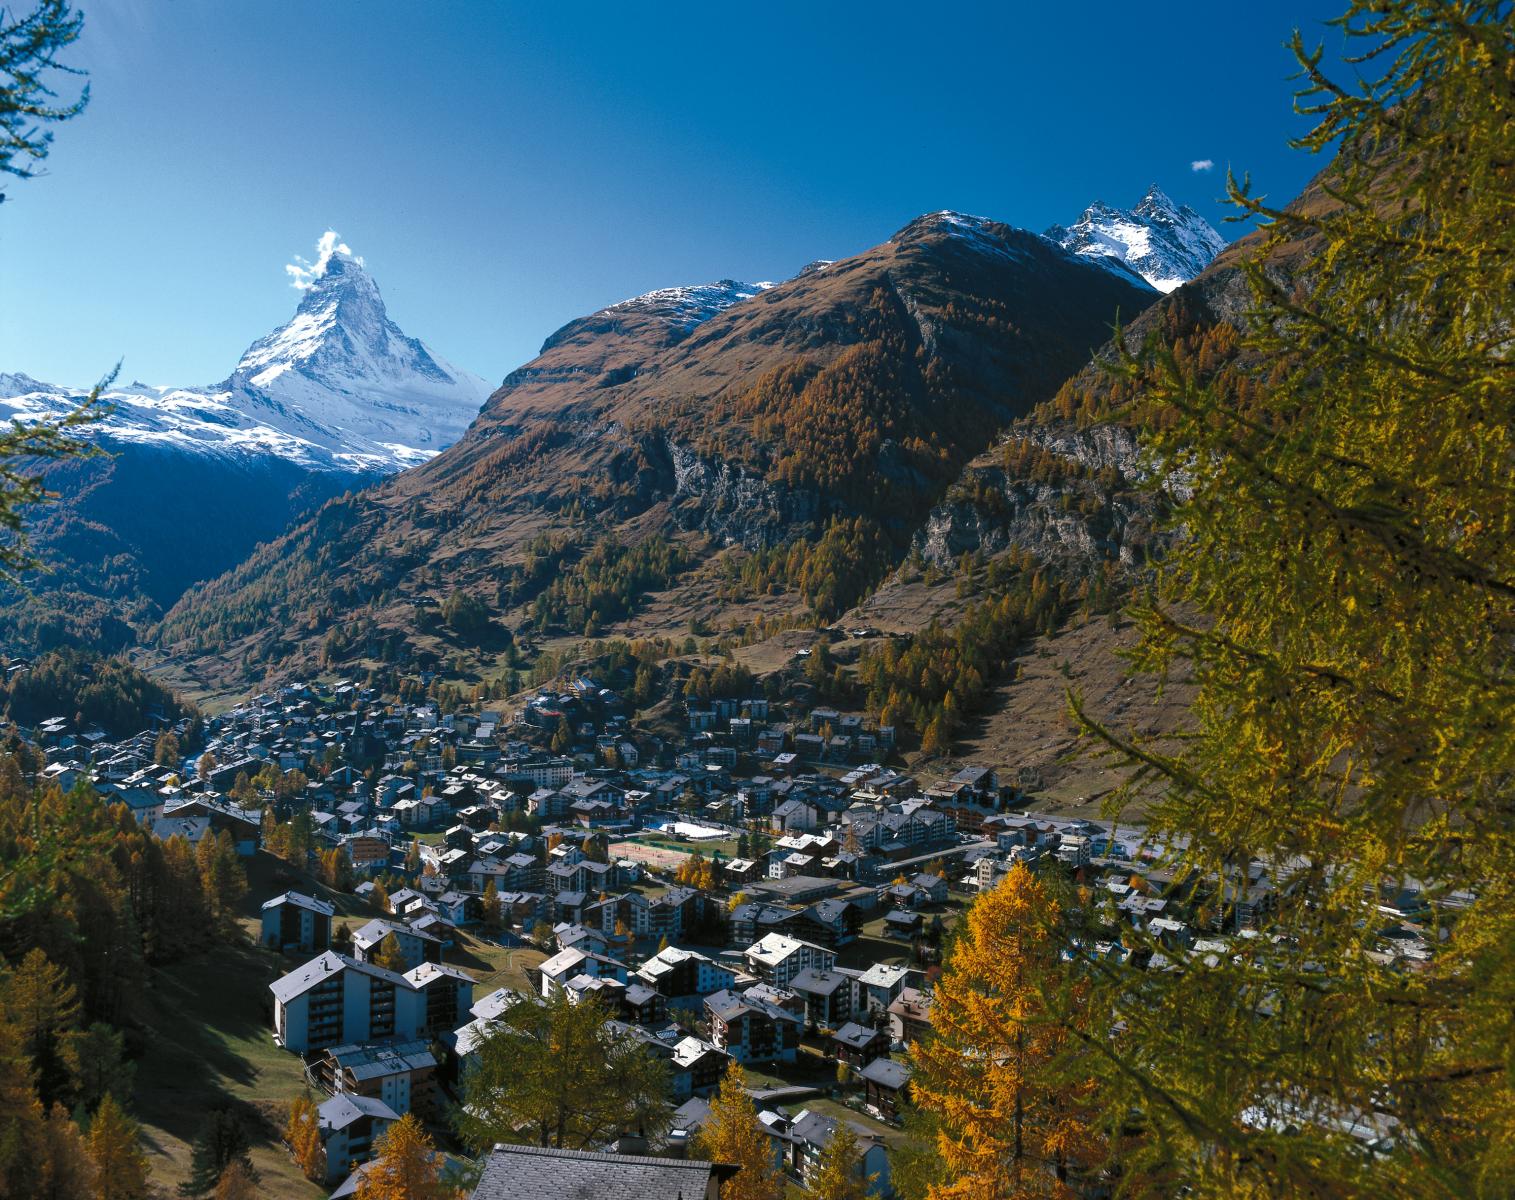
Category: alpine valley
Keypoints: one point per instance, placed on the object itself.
(741, 463)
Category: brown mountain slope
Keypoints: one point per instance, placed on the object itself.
(1065, 483)
(855, 394)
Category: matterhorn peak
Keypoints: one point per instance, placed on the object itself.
(339, 386)
(1166, 244)
(333, 256)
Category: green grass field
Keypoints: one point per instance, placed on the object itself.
(208, 1044)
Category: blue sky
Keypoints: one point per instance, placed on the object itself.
(503, 168)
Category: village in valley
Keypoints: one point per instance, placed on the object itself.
(760, 889)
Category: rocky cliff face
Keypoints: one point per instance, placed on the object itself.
(1079, 508)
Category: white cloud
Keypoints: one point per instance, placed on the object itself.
(303, 273)
(1202, 164)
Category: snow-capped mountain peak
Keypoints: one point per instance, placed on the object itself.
(1165, 243)
(339, 386)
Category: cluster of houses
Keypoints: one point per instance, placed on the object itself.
(474, 821)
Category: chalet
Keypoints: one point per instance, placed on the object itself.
(446, 993)
(401, 1074)
(880, 985)
(751, 1029)
(909, 1016)
(350, 1125)
(696, 1067)
(858, 1045)
(416, 945)
(333, 1000)
(807, 1137)
(643, 1005)
(244, 824)
(294, 922)
(366, 850)
(833, 922)
(567, 965)
(684, 975)
(886, 1087)
(827, 996)
(777, 959)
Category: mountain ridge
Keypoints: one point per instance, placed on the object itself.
(830, 410)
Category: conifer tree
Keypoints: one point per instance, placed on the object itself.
(166, 750)
(97, 1061)
(303, 1134)
(22, 1119)
(1006, 1124)
(120, 1164)
(556, 1073)
(1343, 593)
(406, 1166)
(238, 1182)
(839, 1173)
(69, 1172)
(390, 955)
(42, 1005)
(221, 1143)
(491, 904)
(733, 1134)
(222, 877)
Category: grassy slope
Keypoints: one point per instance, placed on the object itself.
(208, 1044)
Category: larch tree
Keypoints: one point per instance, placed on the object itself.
(554, 1073)
(221, 1143)
(1341, 589)
(238, 1182)
(839, 1173)
(302, 1132)
(406, 1166)
(69, 1171)
(733, 1134)
(491, 904)
(120, 1164)
(22, 1120)
(390, 956)
(30, 67)
(1010, 1120)
(43, 1006)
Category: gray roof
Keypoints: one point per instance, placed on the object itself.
(537, 1173)
(818, 983)
(857, 1036)
(298, 900)
(887, 1073)
(323, 967)
(343, 1109)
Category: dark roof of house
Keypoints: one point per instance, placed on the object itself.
(538, 1173)
(886, 1072)
(857, 1036)
(818, 983)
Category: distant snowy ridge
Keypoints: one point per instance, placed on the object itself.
(1166, 244)
(339, 387)
(692, 305)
